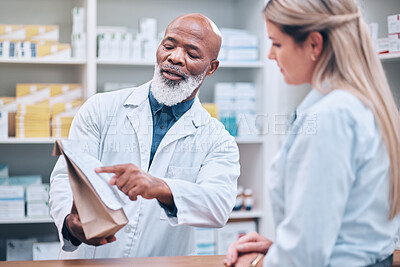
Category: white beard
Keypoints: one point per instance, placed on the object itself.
(170, 92)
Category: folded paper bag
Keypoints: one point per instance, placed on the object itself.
(98, 220)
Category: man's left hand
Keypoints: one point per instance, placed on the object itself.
(133, 181)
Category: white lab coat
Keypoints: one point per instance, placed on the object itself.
(197, 158)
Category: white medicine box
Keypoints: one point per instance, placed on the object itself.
(393, 24)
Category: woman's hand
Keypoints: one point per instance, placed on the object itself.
(252, 242)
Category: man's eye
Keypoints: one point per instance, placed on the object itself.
(168, 47)
(192, 55)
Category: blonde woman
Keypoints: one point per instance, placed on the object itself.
(335, 191)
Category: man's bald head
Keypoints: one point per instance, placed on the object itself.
(203, 26)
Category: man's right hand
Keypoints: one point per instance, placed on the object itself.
(74, 226)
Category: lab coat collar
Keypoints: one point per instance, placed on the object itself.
(311, 98)
(199, 115)
(138, 95)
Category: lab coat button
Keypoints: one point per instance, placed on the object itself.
(128, 229)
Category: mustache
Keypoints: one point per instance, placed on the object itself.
(175, 68)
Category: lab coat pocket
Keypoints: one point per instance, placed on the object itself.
(188, 174)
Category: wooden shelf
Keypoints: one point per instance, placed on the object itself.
(223, 64)
(26, 220)
(243, 214)
(71, 61)
(390, 57)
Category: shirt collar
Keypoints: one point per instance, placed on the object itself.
(177, 110)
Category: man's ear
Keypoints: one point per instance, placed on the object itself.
(317, 42)
(213, 67)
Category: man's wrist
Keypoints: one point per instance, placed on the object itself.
(67, 234)
(163, 194)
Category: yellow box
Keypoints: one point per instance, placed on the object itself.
(12, 32)
(8, 104)
(32, 116)
(60, 133)
(42, 32)
(59, 51)
(31, 134)
(6, 100)
(62, 88)
(32, 93)
(42, 108)
(211, 108)
(65, 106)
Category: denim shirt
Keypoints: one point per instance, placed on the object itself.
(164, 117)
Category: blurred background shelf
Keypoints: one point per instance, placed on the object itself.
(26, 220)
(14, 140)
(390, 57)
(71, 61)
(252, 214)
(252, 140)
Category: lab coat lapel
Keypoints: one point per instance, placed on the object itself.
(185, 126)
(139, 116)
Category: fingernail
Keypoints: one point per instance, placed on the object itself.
(97, 169)
(240, 247)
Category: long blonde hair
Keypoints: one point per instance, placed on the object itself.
(348, 60)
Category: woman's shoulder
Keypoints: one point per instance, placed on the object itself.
(343, 103)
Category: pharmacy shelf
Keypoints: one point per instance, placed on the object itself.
(26, 220)
(223, 64)
(253, 140)
(125, 62)
(14, 140)
(251, 64)
(252, 214)
(71, 61)
(390, 57)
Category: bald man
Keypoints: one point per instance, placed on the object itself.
(175, 165)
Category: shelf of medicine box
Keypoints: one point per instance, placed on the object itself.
(223, 64)
(390, 57)
(14, 140)
(244, 214)
(26, 220)
(250, 140)
(69, 61)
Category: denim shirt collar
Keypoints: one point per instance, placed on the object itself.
(177, 110)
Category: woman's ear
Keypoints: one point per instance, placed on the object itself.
(315, 42)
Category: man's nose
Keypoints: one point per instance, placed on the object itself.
(177, 57)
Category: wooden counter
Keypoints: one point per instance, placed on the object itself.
(188, 261)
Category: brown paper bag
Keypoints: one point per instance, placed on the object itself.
(98, 220)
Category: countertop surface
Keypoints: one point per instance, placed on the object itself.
(185, 261)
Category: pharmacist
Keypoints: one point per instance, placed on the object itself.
(176, 164)
(334, 184)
